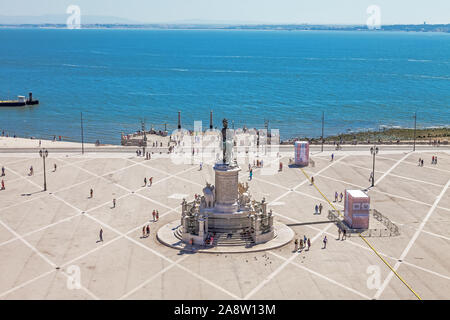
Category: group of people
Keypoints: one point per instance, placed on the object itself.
(155, 215)
(420, 162)
(150, 181)
(300, 244)
(145, 231)
(434, 160)
(338, 196)
(139, 153)
(318, 209)
(343, 232)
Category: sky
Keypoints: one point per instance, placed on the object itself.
(241, 11)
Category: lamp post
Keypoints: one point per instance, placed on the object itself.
(43, 153)
(415, 125)
(323, 123)
(373, 151)
(82, 134)
(144, 140)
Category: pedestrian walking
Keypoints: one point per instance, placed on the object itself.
(309, 243)
(31, 171)
(341, 196)
(201, 166)
(320, 208)
(91, 193)
(332, 156)
(3, 171)
(421, 162)
(335, 196)
(153, 214)
(157, 215)
(316, 209)
(251, 174)
(114, 202)
(325, 242)
(432, 160)
(101, 234)
(143, 232)
(435, 159)
(3, 185)
(148, 230)
(305, 239)
(150, 181)
(296, 245)
(344, 234)
(54, 167)
(301, 244)
(145, 181)
(312, 180)
(339, 234)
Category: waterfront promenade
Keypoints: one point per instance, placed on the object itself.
(45, 236)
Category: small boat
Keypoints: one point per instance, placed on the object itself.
(20, 102)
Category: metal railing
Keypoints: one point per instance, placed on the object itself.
(389, 229)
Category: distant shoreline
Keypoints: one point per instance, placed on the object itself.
(421, 28)
(387, 136)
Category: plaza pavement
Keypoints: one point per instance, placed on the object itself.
(44, 236)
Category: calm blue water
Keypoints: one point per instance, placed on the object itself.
(360, 79)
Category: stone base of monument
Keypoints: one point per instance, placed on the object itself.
(172, 235)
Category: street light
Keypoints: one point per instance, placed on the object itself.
(373, 150)
(43, 153)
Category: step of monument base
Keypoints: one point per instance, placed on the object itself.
(224, 239)
(171, 236)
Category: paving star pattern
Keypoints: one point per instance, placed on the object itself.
(44, 235)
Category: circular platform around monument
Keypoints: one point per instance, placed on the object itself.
(167, 235)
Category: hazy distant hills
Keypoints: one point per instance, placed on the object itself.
(59, 21)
